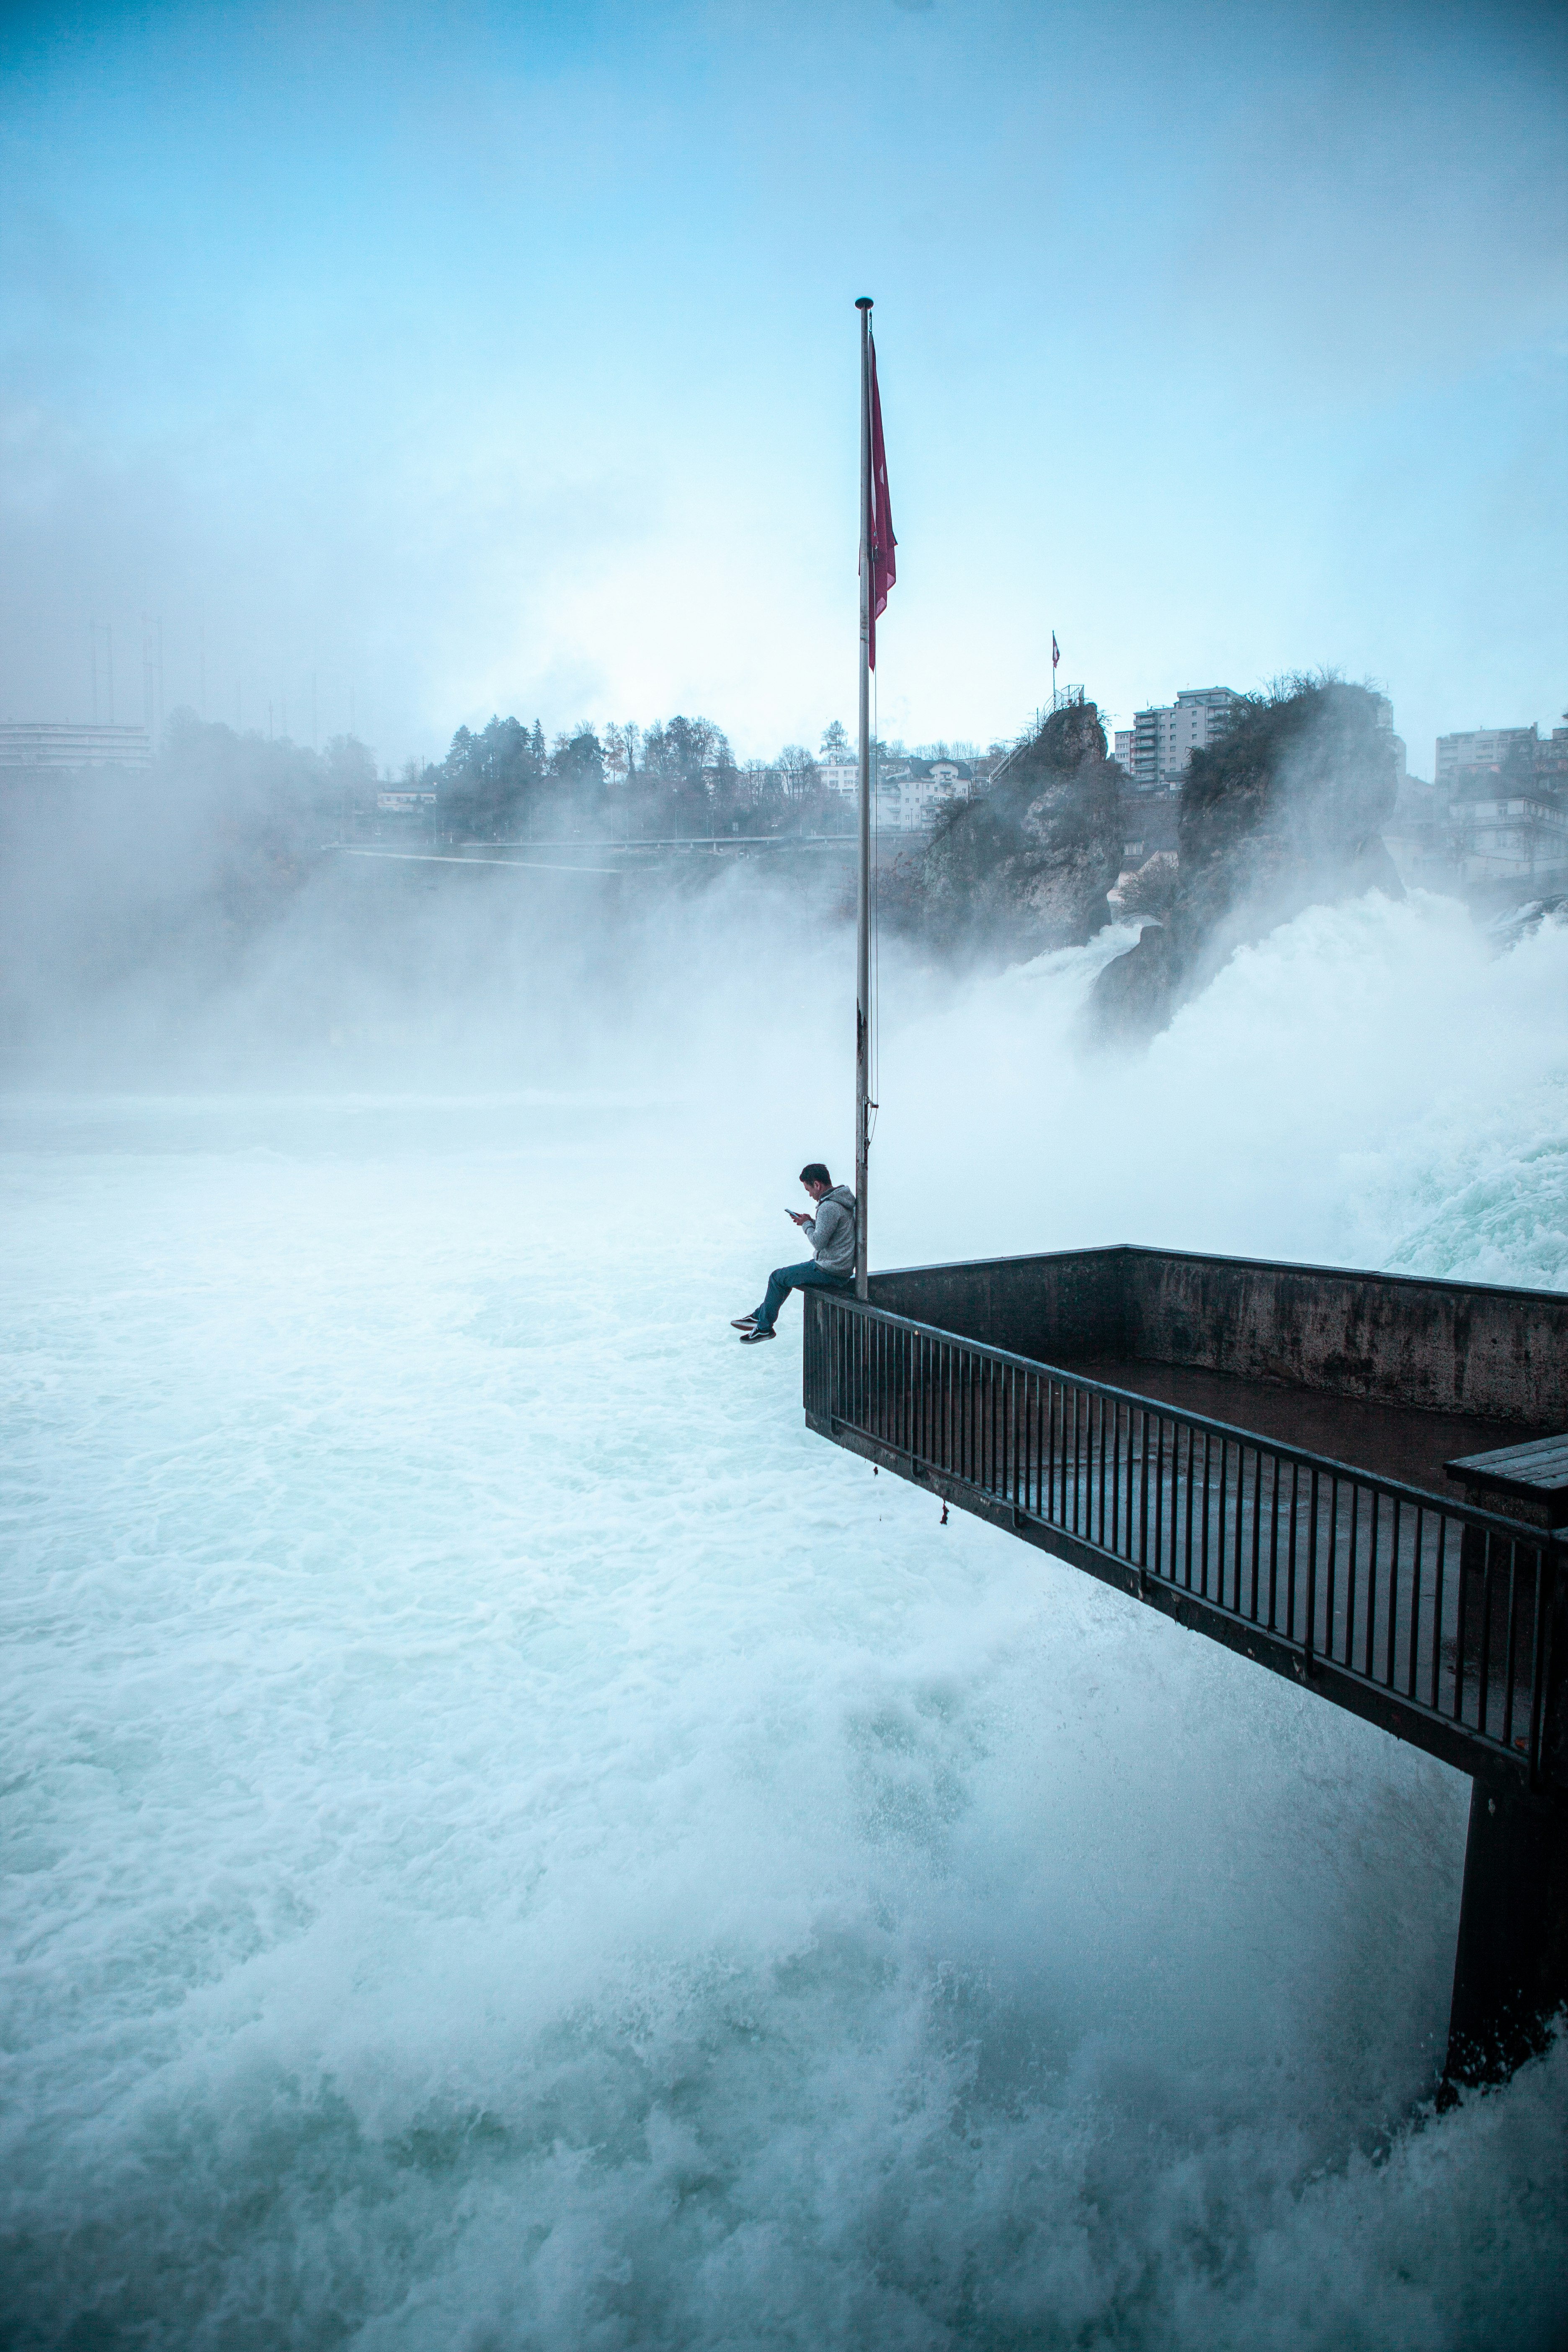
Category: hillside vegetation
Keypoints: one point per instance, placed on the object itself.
(1026, 866)
(1284, 813)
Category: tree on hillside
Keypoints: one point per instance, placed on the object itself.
(678, 758)
(798, 770)
(621, 743)
(578, 760)
(682, 749)
(727, 808)
(835, 744)
(1026, 866)
(621, 750)
(1284, 812)
(574, 798)
(489, 781)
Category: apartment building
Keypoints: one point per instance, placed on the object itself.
(1156, 749)
(1551, 760)
(1484, 751)
(1508, 836)
(42, 745)
(1164, 738)
(1482, 747)
(911, 795)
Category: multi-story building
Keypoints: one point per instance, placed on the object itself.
(1165, 737)
(1516, 751)
(912, 795)
(921, 786)
(1551, 760)
(1156, 749)
(888, 793)
(29, 744)
(1485, 748)
(1507, 834)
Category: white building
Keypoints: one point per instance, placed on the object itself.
(1125, 743)
(894, 799)
(912, 802)
(29, 744)
(1509, 839)
(903, 800)
(840, 776)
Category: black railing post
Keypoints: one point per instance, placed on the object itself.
(1511, 1966)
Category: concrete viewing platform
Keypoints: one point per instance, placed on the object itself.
(1358, 1480)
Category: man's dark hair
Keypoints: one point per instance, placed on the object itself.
(813, 1172)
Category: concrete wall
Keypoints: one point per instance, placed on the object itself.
(1442, 1345)
(1447, 1347)
(1071, 1303)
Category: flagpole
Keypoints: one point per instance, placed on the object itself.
(863, 900)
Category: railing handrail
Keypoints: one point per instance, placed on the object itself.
(1491, 1522)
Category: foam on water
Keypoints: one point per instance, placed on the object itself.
(513, 1843)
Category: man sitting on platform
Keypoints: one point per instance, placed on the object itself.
(831, 1234)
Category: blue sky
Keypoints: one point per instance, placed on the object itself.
(501, 357)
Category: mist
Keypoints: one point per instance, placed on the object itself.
(518, 1842)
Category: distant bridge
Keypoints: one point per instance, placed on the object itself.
(566, 855)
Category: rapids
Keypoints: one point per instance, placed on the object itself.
(512, 1843)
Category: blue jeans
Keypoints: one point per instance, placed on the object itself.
(785, 1278)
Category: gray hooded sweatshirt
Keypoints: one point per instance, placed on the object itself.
(832, 1231)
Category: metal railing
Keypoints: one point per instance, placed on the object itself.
(1430, 1616)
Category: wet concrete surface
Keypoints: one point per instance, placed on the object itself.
(1395, 1440)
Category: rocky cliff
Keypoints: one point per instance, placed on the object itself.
(1284, 813)
(1027, 866)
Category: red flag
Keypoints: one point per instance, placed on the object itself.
(884, 570)
(1056, 650)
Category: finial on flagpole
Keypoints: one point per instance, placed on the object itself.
(862, 302)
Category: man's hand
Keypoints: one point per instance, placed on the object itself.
(796, 1217)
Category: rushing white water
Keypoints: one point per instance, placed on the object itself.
(513, 1843)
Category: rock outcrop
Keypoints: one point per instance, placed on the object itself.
(1284, 813)
(1027, 866)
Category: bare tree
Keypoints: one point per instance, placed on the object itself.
(799, 771)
